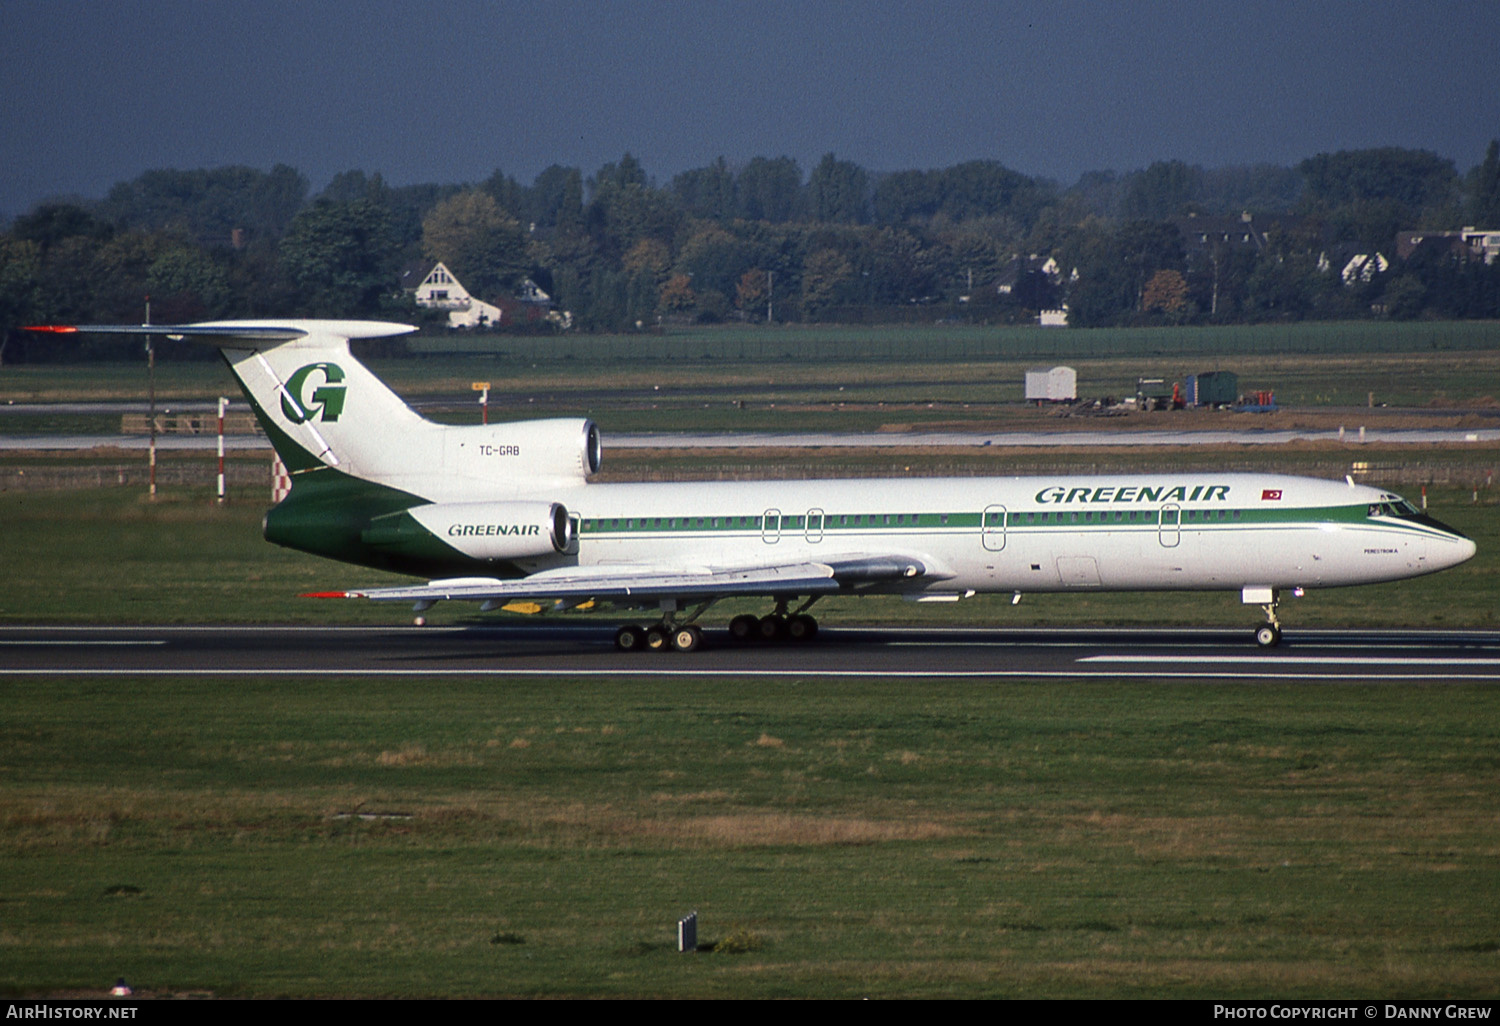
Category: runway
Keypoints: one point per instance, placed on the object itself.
(585, 650)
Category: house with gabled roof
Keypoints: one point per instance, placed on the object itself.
(434, 287)
(1468, 244)
(1203, 233)
(438, 289)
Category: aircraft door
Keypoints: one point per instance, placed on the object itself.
(1169, 525)
(814, 527)
(992, 528)
(770, 526)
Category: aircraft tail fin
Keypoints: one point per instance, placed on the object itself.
(319, 405)
(331, 419)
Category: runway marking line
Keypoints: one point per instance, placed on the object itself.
(62, 643)
(755, 674)
(1281, 660)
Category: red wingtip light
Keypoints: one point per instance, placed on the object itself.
(56, 329)
(324, 594)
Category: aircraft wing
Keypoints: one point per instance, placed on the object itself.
(631, 582)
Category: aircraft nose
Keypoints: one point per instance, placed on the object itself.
(1452, 551)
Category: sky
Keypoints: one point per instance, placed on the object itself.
(94, 92)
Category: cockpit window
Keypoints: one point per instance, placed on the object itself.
(1397, 507)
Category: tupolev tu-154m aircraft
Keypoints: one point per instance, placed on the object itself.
(500, 513)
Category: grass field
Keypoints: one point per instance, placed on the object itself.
(823, 343)
(839, 839)
(825, 372)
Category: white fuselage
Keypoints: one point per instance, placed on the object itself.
(1028, 534)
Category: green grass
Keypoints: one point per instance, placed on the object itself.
(843, 838)
(1305, 364)
(869, 838)
(961, 342)
(110, 556)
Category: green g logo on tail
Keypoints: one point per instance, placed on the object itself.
(326, 401)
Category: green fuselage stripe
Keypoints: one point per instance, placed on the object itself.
(1013, 520)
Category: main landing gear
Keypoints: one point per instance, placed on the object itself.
(773, 628)
(666, 635)
(776, 627)
(669, 636)
(659, 637)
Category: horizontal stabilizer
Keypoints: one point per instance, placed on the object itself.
(228, 333)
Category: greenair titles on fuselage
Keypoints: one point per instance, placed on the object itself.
(1057, 494)
(475, 530)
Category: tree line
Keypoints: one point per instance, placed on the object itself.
(764, 241)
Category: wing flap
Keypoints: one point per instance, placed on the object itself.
(843, 574)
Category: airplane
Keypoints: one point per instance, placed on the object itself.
(505, 513)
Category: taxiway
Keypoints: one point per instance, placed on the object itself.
(831, 440)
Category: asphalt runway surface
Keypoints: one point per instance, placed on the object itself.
(585, 650)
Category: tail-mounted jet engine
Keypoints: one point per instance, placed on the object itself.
(523, 454)
(479, 530)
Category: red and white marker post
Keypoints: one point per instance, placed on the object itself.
(223, 403)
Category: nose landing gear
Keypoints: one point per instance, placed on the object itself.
(1268, 634)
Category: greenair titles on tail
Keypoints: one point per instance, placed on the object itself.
(507, 513)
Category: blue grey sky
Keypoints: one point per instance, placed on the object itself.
(97, 91)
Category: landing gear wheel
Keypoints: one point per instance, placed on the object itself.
(744, 627)
(658, 638)
(772, 628)
(686, 639)
(630, 638)
(801, 628)
(1268, 635)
